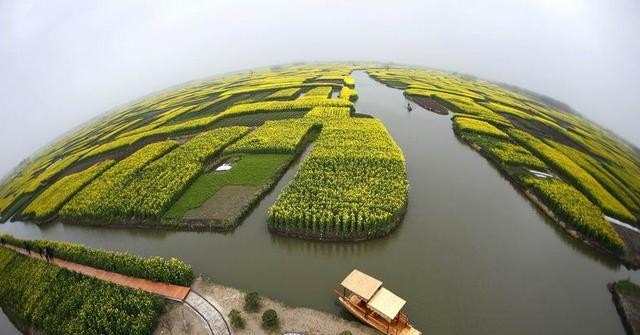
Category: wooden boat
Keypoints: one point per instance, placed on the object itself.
(364, 297)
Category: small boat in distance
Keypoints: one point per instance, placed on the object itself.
(409, 108)
(364, 297)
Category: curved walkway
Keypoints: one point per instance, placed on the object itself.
(213, 317)
(204, 308)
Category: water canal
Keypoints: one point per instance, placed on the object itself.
(471, 257)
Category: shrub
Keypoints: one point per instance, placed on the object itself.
(252, 302)
(270, 319)
(236, 319)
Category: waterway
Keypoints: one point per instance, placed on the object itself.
(472, 255)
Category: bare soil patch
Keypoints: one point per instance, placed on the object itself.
(429, 104)
(541, 130)
(225, 204)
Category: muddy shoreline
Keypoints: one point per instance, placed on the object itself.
(428, 104)
(627, 303)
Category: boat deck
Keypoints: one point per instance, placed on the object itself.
(358, 307)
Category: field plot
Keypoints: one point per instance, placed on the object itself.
(54, 197)
(158, 184)
(248, 175)
(576, 209)
(351, 186)
(95, 200)
(273, 137)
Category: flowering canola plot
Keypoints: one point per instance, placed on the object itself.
(353, 184)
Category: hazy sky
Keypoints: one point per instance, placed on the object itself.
(64, 62)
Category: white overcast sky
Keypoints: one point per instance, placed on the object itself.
(64, 62)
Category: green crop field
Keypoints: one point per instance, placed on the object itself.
(250, 170)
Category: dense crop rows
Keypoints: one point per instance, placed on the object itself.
(322, 91)
(602, 175)
(577, 175)
(237, 110)
(513, 154)
(171, 270)
(349, 94)
(159, 183)
(50, 201)
(468, 125)
(329, 112)
(505, 152)
(274, 137)
(574, 208)
(94, 199)
(284, 93)
(353, 183)
(290, 105)
(191, 108)
(60, 302)
(349, 81)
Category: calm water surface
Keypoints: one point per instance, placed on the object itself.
(471, 257)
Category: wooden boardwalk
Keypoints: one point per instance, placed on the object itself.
(169, 291)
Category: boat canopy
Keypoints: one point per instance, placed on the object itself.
(361, 284)
(386, 303)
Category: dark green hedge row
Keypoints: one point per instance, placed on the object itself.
(60, 302)
(171, 270)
